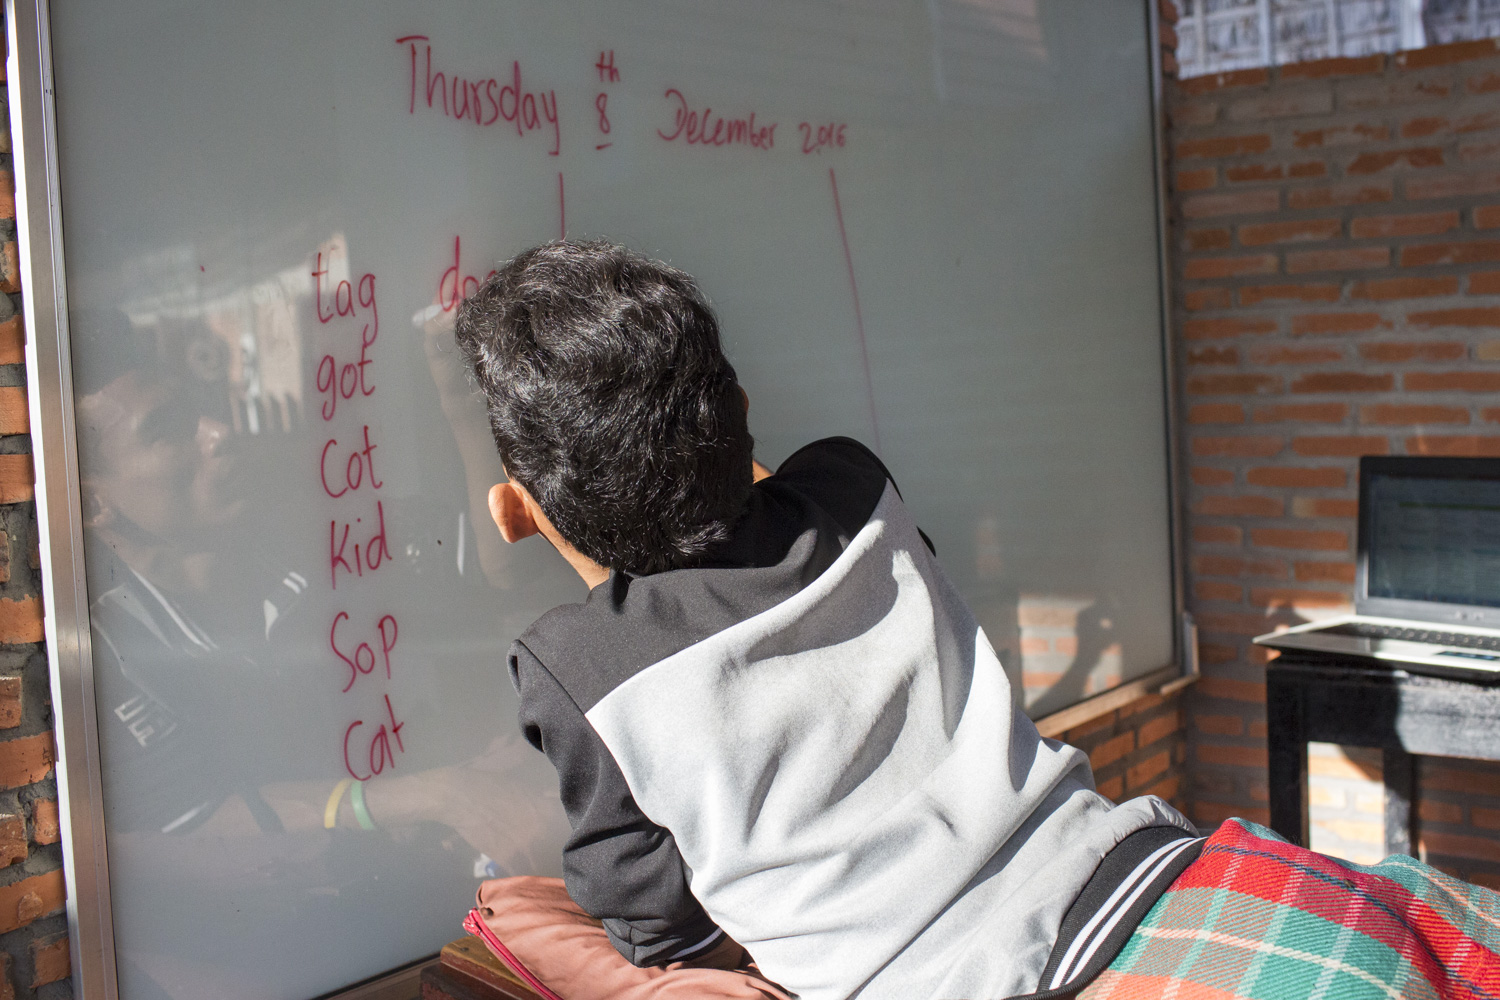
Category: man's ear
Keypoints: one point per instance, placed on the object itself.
(512, 516)
(744, 397)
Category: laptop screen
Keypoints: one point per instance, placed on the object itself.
(1433, 538)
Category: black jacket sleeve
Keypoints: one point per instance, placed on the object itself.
(618, 865)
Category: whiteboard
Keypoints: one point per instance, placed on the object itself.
(928, 225)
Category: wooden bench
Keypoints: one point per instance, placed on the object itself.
(466, 970)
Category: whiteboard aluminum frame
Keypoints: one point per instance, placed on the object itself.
(64, 585)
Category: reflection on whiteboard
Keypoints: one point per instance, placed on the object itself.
(926, 224)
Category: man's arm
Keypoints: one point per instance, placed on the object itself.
(618, 865)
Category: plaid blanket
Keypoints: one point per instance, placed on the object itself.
(1257, 918)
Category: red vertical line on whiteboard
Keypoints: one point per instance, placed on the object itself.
(562, 209)
(859, 320)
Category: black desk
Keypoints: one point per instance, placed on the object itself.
(1355, 701)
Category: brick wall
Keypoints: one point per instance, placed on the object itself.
(33, 931)
(1137, 749)
(1335, 232)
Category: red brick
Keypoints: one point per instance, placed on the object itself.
(16, 484)
(1233, 756)
(10, 267)
(14, 418)
(1460, 381)
(1305, 169)
(1214, 590)
(1223, 81)
(1212, 298)
(24, 760)
(1139, 774)
(1487, 217)
(1241, 506)
(1249, 173)
(1374, 163)
(1386, 289)
(1215, 565)
(1282, 102)
(1484, 83)
(1216, 653)
(1323, 572)
(1112, 789)
(1348, 445)
(1487, 819)
(1437, 776)
(1207, 475)
(1461, 445)
(12, 840)
(1404, 413)
(24, 901)
(1209, 815)
(1452, 185)
(1216, 413)
(1299, 538)
(1217, 534)
(1232, 326)
(1460, 845)
(1326, 477)
(20, 621)
(1207, 239)
(1278, 354)
(10, 702)
(1239, 446)
(1432, 811)
(1303, 261)
(1233, 622)
(1321, 69)
(1196, 180)
(1234, 384)
(1370, 94)
(1194, 115)
(49, 961)
(1219, 725)
(1203, 206)
(1255, 294)
(1340, 135)
(1417, 224)
(1165, 789)
(1209, 268)
(1290, 231)
(1296, 597)
(1420, 128)
(1307, 413)
(1112, 750)
(1456, 317)
(1324, 507)
(45, 825)
(1428, 254)
(1441, 350)
(1232, 690)
(1346, 193)
(1345, 382)
(12, 341)
(1213, 355)
(1484, 283)
(1444, 55)
(1341, 322)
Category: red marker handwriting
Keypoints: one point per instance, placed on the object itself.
(608, 73)
(360, 460)
(455, 286)
(704, 128)
(483, 102)
(816, 138)
(381, 755)
(364, 659)
(358, 558)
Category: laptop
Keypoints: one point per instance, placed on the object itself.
(1427, 579)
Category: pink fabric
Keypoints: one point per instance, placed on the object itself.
(568, 951)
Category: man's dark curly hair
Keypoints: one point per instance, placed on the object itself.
(611, 401)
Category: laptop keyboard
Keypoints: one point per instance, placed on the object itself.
(1461, 640)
